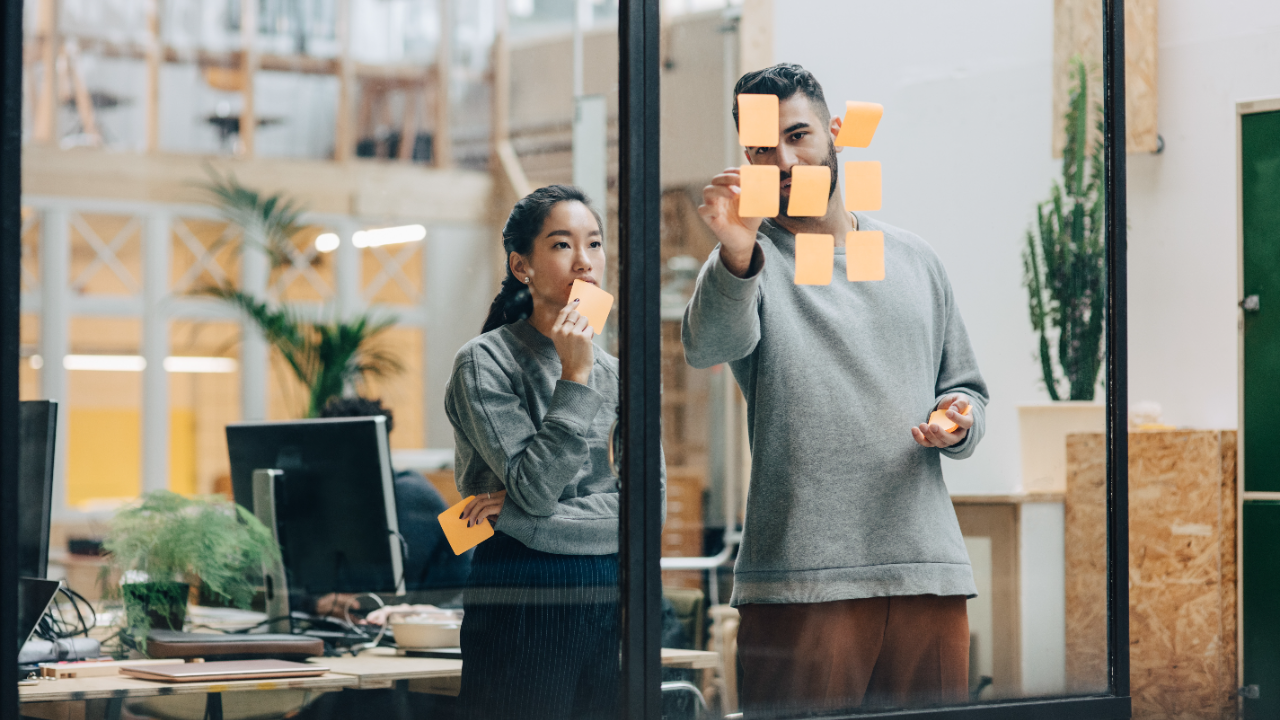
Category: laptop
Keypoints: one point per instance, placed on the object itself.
(34, 598)
(225, 670)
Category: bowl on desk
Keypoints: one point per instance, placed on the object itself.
(413, 632)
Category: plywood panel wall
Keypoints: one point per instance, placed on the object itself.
(1182, 609)
(1078, 31)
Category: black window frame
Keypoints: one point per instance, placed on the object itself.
(639, 214)
(639, 219)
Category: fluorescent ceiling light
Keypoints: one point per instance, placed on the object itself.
(109, 363)
(193, 364)
(136, 363)
(327, 242)
(388, 236)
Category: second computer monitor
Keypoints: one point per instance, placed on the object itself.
(37, 426)
(335, 505)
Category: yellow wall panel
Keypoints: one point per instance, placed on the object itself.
(104, 455)
(182, 451)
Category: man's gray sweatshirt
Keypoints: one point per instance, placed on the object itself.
(843, 503)
(518, 427)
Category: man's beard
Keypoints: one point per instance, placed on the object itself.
(783, 200)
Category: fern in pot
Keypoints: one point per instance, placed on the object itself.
(166, 542)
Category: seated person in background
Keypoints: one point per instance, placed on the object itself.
(432, 573)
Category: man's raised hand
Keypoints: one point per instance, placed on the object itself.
(719, 209)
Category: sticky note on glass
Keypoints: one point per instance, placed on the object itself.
(760, 187)
(862, 185)
(860, 122)
(810, 189)
(758, 120)
(593, 303)
(815, 258)
(462, 538)
(939, 418)
(864, 255)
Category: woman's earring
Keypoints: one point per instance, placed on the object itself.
(526, 281)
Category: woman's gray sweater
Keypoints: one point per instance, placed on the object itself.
(843, 503)
(518, 427)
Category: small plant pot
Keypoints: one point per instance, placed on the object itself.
(156, 605)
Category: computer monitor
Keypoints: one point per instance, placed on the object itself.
(335, 504)
(37, 428)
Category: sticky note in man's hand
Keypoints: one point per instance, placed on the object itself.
(462, 538)
(862, 185)
(758, 120)
(860, 122)
(815, 258)
(864, 255)
(760, 187)
(939, 418)
(810, 189)
(593, 304)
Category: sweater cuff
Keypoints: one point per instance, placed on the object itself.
(574, 404)
(732, 286)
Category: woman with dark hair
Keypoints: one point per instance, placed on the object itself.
(531, 401)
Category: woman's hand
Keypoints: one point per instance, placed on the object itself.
(488, 505)
(934, 436)
(572, 337)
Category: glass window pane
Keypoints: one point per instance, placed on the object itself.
(805, 350)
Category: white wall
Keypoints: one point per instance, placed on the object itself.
(1183, 255)
(965, 147)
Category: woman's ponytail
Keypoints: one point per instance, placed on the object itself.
(512, 303)
(523, 226)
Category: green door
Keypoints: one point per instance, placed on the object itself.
(1260, 522)
(1260, 192)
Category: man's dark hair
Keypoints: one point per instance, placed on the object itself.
(357, 407)
(783, 80)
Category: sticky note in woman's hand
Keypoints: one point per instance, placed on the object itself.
(593, 303)
(939, 418)
(462, 538)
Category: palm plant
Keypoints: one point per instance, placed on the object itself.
(1064, 260)
(328, 358)
(266, 222)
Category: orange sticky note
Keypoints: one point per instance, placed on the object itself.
(594, 303)
(758, 120)
(462, 538)
(810, 189)
(939, 418)
(862, 185)
(864, 255)
(860, 122)
(760, 187)
(815, 258)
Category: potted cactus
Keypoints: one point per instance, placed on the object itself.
(1064, 265)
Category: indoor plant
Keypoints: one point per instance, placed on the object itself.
(1064, 261)
(164, 542)
(1064, 266)
(328, 358)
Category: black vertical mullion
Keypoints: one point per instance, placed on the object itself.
(1117, 350)
(10, 256)
(639, 215)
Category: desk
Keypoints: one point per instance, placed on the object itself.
(108, 692)
(377, 668)
(382, 668)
